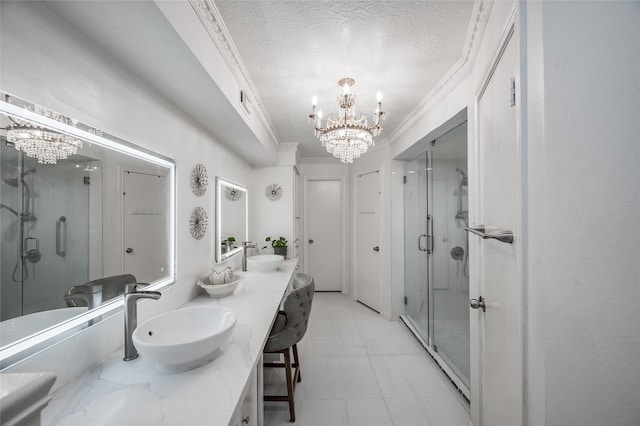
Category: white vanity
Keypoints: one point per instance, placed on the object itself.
(225, 391)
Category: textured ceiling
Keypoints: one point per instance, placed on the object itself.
(294, 50)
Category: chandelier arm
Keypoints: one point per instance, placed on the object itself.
(377, 123)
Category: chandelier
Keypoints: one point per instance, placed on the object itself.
(47, 145)
(348, 135)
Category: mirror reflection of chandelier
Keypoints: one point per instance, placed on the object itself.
(348, 135)
(46, 145)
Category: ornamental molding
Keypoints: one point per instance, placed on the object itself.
(459, 70)
(213, 24)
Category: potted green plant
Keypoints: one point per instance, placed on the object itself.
(231, 243)
(279, 245)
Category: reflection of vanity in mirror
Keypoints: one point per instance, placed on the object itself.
(232, 225)
(76, 205)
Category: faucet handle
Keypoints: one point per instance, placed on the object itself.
(133, 287)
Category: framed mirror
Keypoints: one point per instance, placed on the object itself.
(232, 218)
(82, 213)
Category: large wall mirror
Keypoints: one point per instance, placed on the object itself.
(232, 224)
(82, 213)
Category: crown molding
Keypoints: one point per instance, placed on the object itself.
(459, 70)
(213, 24)
(289, 146)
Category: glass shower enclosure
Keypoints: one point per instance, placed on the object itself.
(437, 252)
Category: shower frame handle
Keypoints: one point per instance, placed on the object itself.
(429, 234)
(61, 239)
(420, 242)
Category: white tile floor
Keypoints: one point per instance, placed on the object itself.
(359, 369)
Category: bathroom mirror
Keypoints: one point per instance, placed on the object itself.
(76, 205)
(232, 224)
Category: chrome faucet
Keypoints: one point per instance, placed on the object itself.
(245, 246)
(131, 297)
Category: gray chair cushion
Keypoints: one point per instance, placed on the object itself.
(291, 322)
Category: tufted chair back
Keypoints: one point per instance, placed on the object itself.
(291, 322)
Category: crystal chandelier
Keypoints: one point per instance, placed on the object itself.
(47, 145)
(348, 135)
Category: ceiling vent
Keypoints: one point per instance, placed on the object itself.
(245, 102)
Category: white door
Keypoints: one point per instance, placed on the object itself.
(367, 280)
(499, 328)
(325, 234)
(144, 204)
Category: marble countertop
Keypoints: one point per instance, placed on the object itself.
(115, 392)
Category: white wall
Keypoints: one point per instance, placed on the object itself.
(49, 63)
(272, 218)
(589, 203)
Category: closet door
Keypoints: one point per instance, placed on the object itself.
(325, 234)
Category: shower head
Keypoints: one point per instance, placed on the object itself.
(464, 181)
(2, 206)
(11, 182)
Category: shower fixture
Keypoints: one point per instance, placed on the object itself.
(463, 215)
(2, 206)
(26, 215)
(464, 181)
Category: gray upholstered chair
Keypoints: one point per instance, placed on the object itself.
(288, 329)
(94, 293)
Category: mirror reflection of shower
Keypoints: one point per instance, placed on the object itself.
(45, 227)
(20, 271)
(462, 215)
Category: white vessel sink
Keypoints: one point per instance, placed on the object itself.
(264, 262)
(185, 338)
(221, 289)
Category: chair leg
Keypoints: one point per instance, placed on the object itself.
(287, 363)
(296, 362)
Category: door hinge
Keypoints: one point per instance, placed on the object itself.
(404, 179)
(512, 91)
(405, 301)
(87, 180)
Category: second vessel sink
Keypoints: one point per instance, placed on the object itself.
(264, 262)
(185, 338)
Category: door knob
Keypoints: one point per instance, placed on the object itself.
(129, 250)
(310, 241)
(478, 304)
(376, 248)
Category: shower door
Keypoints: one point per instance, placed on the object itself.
(436, 250)
(45, 226)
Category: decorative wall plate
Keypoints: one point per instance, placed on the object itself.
(273, 192)
(198, 223)
(199, 180)
(232, 194)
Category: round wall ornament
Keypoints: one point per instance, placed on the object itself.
(273, 192)
(198, 223)
(199, 180)
(232, 194)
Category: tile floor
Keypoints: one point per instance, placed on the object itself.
(359, 369)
